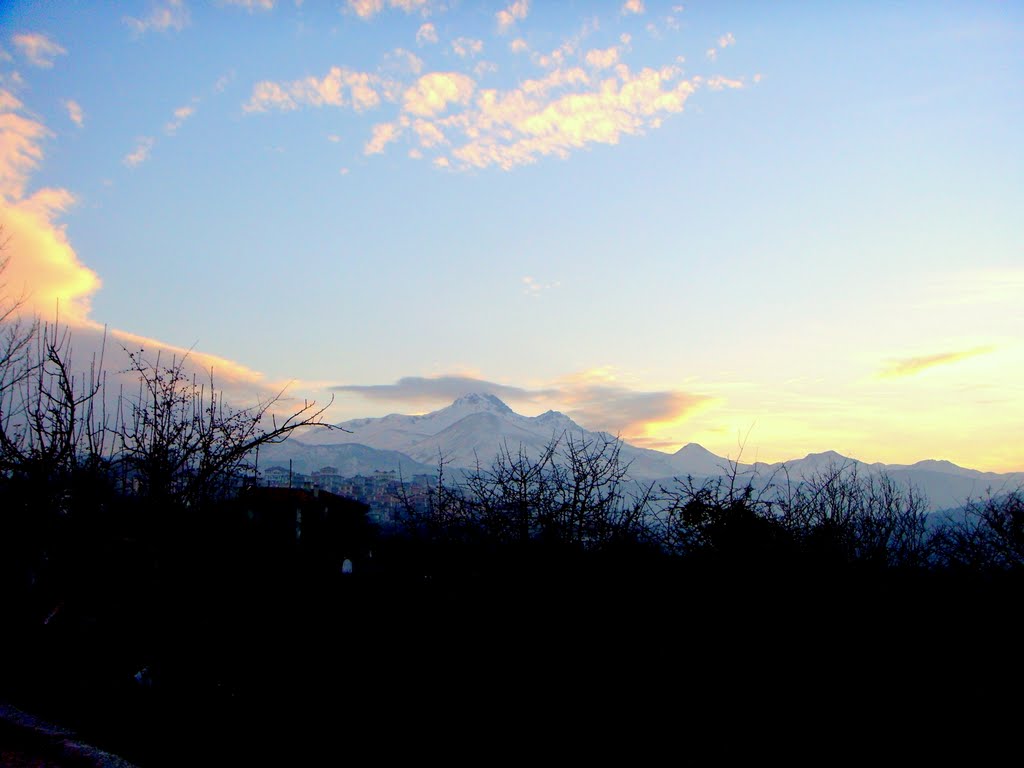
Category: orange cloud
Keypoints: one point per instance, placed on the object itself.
(46, 275)
(43, 267)
(910, 366)
(632, 7)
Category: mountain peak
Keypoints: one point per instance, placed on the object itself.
(481, 400)
(694, 449)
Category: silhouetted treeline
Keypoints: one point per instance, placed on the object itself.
(154, 599)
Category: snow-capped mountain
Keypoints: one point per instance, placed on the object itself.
(475, 427)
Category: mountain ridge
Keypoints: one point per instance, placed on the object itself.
(475, 427)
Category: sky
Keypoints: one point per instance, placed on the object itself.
(768, 228)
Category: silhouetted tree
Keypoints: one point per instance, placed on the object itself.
(177, 438)
(575, 491)
(989, 535)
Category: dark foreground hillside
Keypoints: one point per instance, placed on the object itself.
(177, 648)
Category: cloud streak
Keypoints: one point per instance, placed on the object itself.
(420, 390)
(140, 154)
(173, 14)
(367, 9)
(911, 366)
(593, 399)
(75, 113)
(340, 87)
(38, 49)
(181, 114)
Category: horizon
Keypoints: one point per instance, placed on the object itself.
(791, 229)
(727, 457)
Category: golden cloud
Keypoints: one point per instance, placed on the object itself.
(910, 366)
(383, 134)
(516, 127)
(602, 59)
(317, 92)
(367, 9)
(43, 268)
(434, 92)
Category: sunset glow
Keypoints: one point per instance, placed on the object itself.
(769, 230)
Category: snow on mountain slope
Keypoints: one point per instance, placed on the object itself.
(476, 426)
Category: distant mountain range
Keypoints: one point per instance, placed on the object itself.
(476, 426)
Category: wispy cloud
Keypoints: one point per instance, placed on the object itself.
(516, 11)
(181, 114)
(39, 49)
(420, 389)
(253, 5)
(627, 412)
(720, 83)
(426, 34)
(140, 154)
(329, 90)
(723, 42)
(20, 146)
(583, 97)
(910, 366)
(602, 59)
(75, 113)
(367, 9)
(464, 47)
(535, 288)
(172, 14)
(383, 134)
(632, 7)
(403, 62)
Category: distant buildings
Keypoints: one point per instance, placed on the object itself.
(387, 495)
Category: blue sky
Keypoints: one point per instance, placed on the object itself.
(794, 224)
